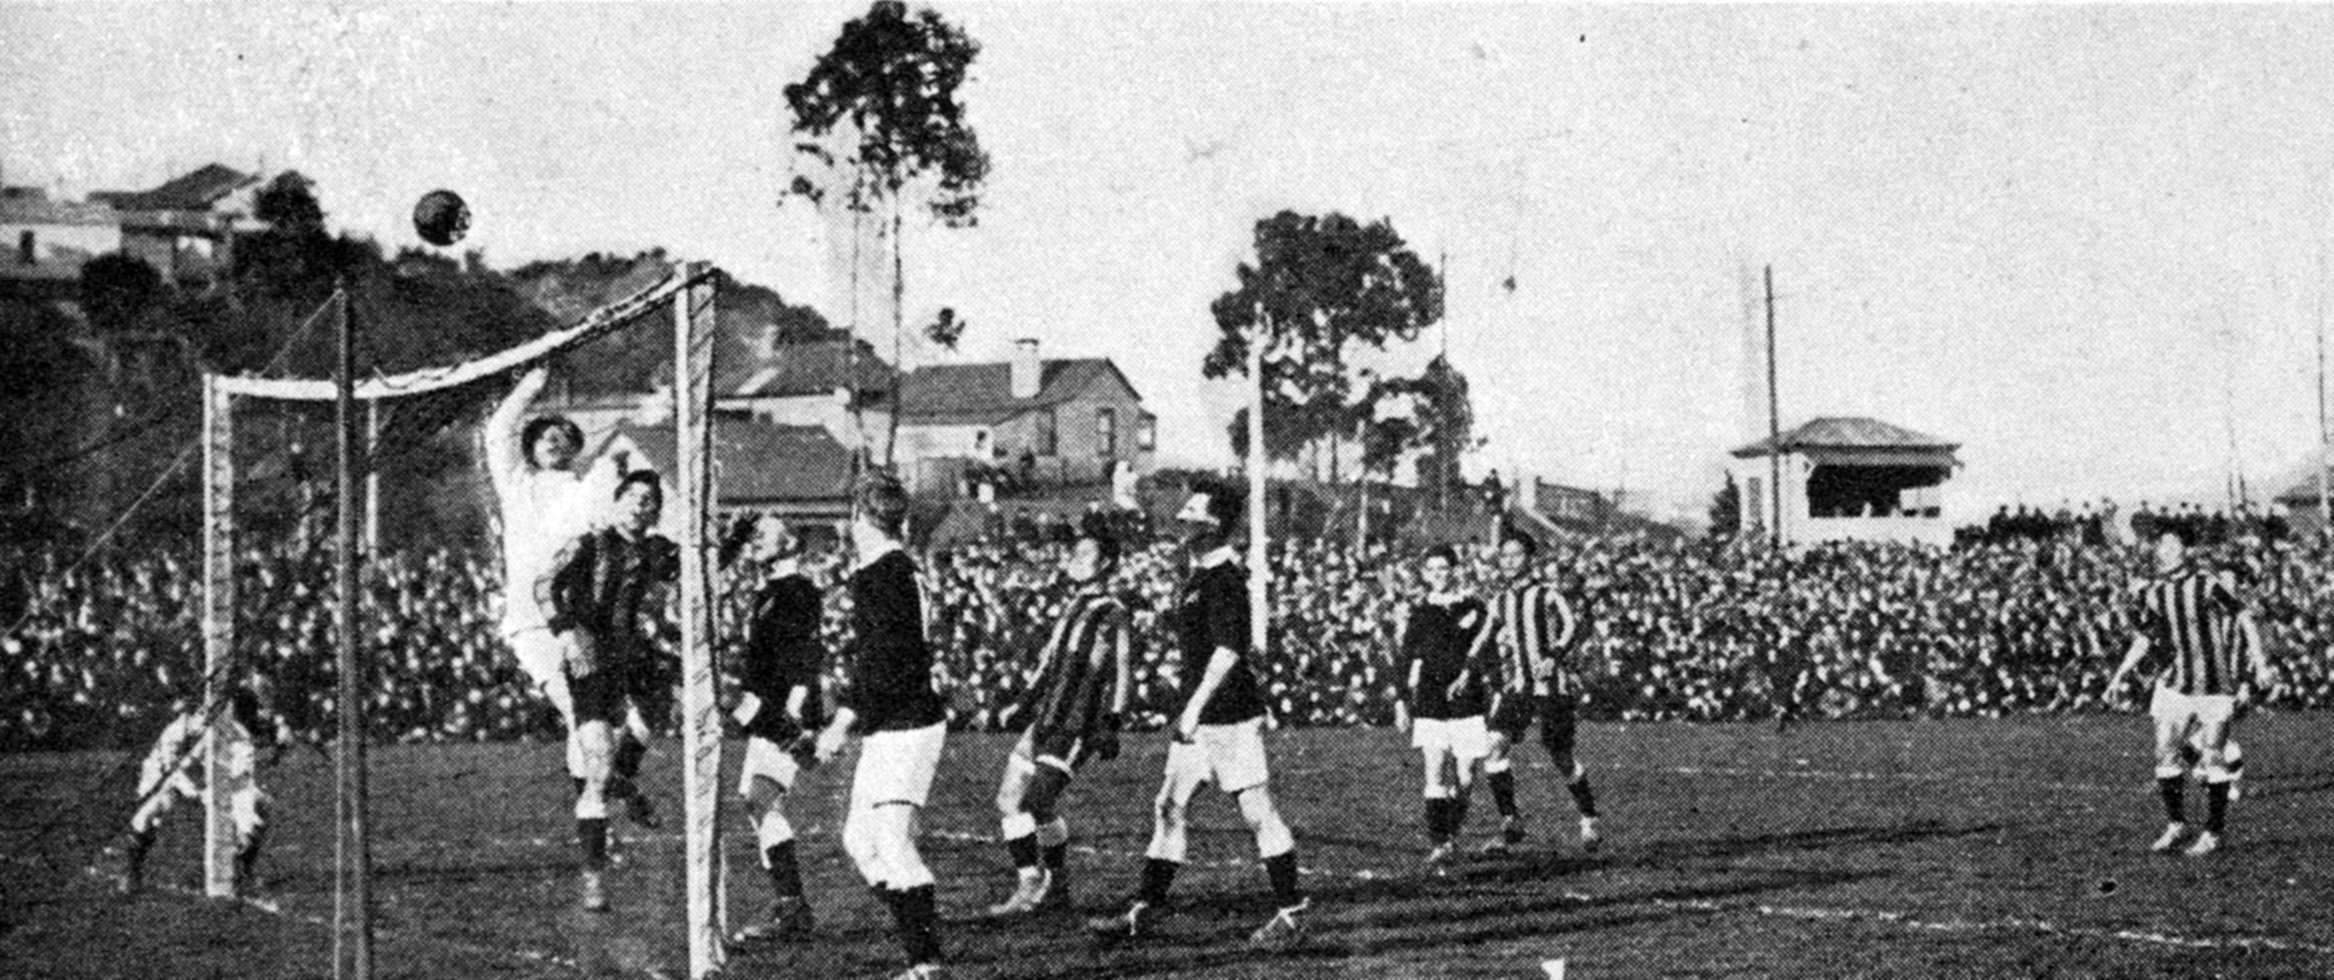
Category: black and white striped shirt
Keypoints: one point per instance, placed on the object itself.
(2190, 616)
(1534, 628)
(1074, 687)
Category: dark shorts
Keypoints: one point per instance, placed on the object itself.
(602, 696)
(1512, 715)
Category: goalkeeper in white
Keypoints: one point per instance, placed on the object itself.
(546, 504)
(174, 771)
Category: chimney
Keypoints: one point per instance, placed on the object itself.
(1026, 369)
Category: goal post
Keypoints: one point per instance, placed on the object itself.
(407, 410)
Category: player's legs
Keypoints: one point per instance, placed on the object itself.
(161, 797)
(597, 699)
(1236, 753)
(2172, 718)
(892, 780)
(1470, 743)
(647, 696)
(2213, 718)
(1018, 827)
(769, 772)
(1511, 718)
(248, 808)
(1187, 770)
(1558, 731)
(542, 655)
(1439, 766)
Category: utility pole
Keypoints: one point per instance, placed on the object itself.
(1774, 423)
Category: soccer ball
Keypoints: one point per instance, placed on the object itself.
(440, 217)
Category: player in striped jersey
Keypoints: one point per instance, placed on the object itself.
(2213, 659)
(1444, 710)
(779, 709)
(1073, 713)
(1531, 628)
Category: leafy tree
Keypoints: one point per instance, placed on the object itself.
(885, 95)
(1322, 289)
(118, 291)
(1445, 415)
(1726, 510)
(945, 329)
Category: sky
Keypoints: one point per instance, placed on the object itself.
(2088, 243)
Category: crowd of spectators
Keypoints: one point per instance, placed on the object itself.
(100, 652)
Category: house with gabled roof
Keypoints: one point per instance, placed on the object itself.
(182, 228)
(1847, 479)
(794, 472)
(1044, 422)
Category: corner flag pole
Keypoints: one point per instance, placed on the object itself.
(1774, 421)
(1259, 579)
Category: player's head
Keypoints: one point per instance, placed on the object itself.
(1211, 514)
(1516, 551)
(1436, 565)
(879, 504)
(1094, 553)
(639, 499)
(2171, 549)
(551, 442)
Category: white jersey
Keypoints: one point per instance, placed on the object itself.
(542, 510)
(180, 755)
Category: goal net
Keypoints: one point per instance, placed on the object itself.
(453, 814)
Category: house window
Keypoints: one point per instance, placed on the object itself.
(1147, 433)
(25, 252)
(1106, 432)
(1047, 443)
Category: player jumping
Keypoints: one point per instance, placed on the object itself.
(1073, 712)
(545, 504)
(598, 593)
(1444, 712)
(1219, 733)
(892, 703)
(779, 709)
(2216, 661)
(174, 770)
(1531, 627)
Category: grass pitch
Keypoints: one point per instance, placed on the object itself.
(1926, 849)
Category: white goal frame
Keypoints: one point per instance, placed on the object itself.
(692, 291)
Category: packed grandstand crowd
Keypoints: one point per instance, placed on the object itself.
(1672, 629)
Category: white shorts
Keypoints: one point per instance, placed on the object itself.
(897, 766)
(543, 655)
(246, 807)
(766, 759)
(1230, 756)
(2170, 706)
(1464, 738)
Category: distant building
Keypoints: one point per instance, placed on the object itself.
(1848, 479)
(183, 228)
(1040, 422)
(794, 472)
(810, 384)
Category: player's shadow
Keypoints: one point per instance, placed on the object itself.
(1372, 918)
(1663, 853)
(2296, 785)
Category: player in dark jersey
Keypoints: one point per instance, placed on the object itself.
(1219, 731)
(597, 592)
(778, 708)
(891, 702)
(1073, 712)
(1444, 710)
(1531, 628)
(2212, 659)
